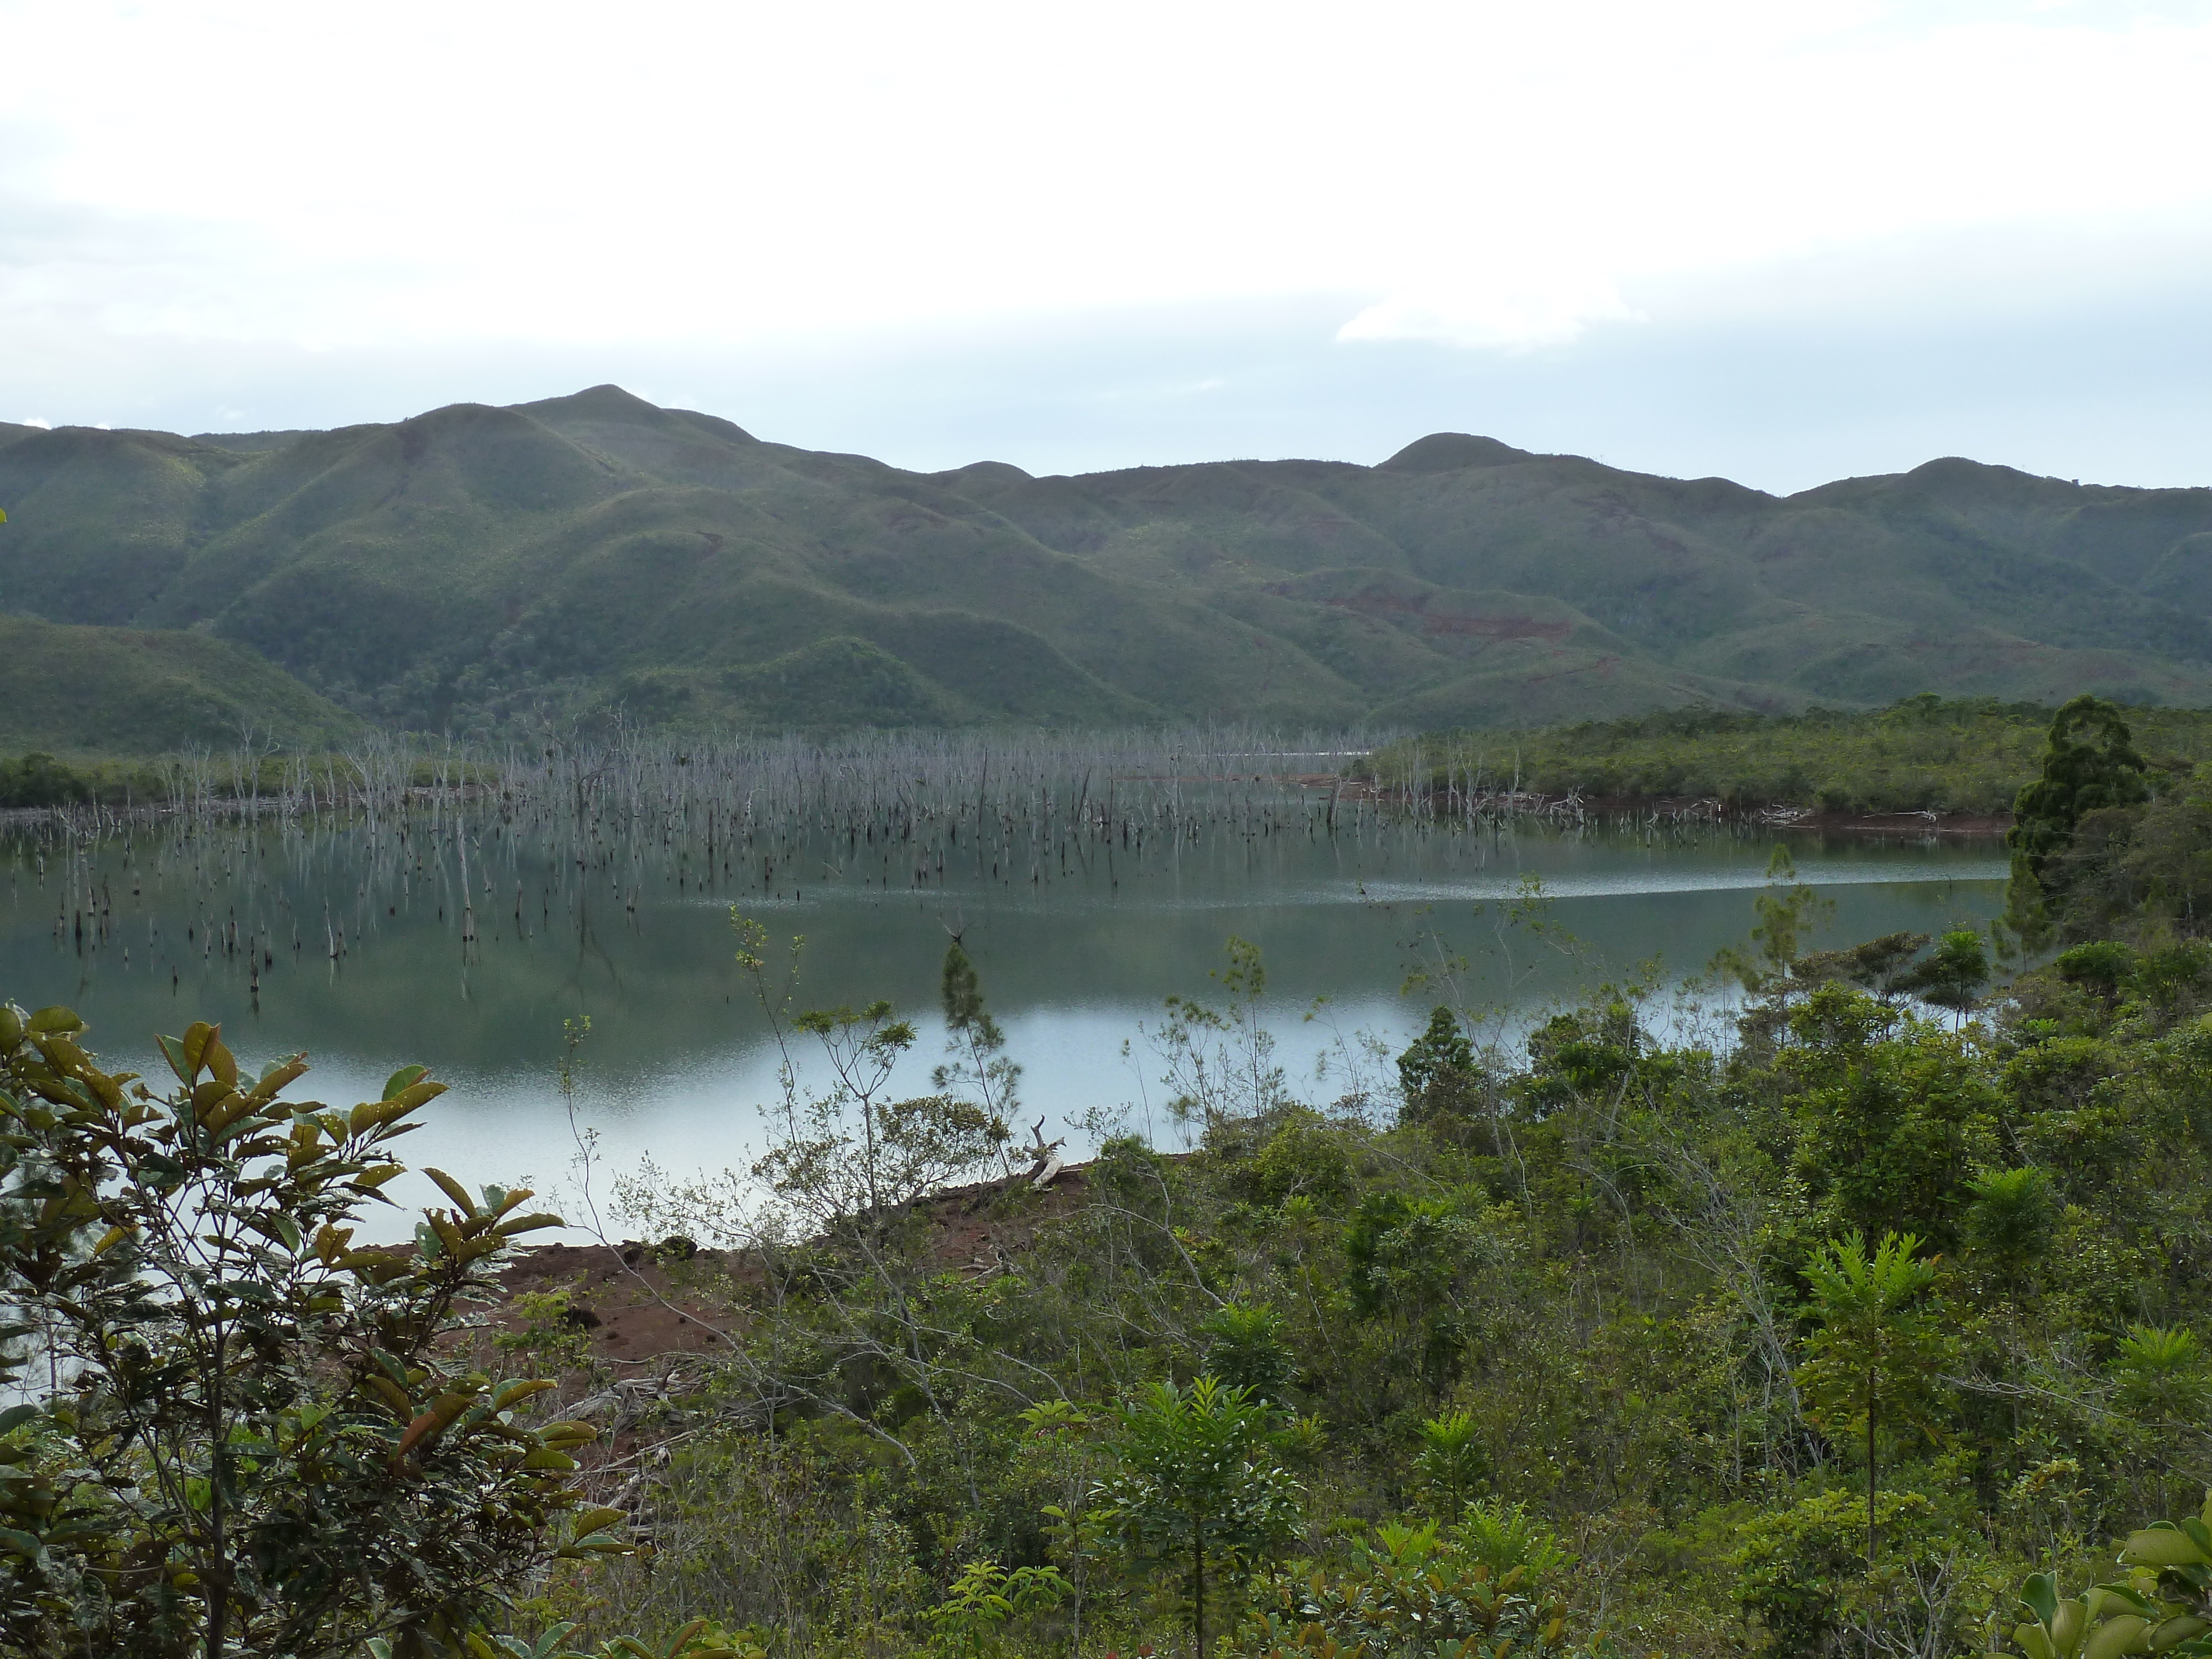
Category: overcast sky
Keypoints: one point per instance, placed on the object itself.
(1782, 242)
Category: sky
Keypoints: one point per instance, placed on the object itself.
(1776, 242)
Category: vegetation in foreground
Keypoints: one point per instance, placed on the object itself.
(1869, 1319)
(1924, 755)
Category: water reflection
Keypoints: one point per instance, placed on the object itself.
(354, 950)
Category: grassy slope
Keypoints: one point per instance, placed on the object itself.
(1924, 755)
(84, 690)
(590, 550)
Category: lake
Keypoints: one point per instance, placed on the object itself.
(349, 938)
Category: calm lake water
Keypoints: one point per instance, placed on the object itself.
(1076, 961)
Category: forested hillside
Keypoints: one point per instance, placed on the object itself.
(78, 689)
(593, 552)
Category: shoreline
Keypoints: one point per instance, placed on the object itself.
(637, 1303)
(1788, 815)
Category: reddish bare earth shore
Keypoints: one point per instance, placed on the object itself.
(643, 1306)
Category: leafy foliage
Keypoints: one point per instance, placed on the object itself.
(1404, 1594)
(40, 780)
(851, 1152)
(1873, 1357)
(1199, 1483)
(984, 1599)
(246, 1431)
(2089, 765)
(1648, 1320)
(1436, 1073)
(975, 1048)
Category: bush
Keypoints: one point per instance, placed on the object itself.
(1805, 1575)
(1405, 1595)
(262, 1438)
(40, 780)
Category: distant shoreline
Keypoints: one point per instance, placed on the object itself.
(1788, 815)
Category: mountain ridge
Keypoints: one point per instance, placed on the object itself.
(477, 564)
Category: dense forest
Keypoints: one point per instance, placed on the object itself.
(1854, 1300)
(1925, 754)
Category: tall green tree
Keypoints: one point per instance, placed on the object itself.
(1953, 975)
(1199, 1483)
(1436, 1069)
(1877, 1347)
(1453, 1461)
(2089, 763)
(245, 1434)
(976, 1047)
(1894, 1114)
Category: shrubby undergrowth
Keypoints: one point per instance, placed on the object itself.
(1869, 1319)
(1814, 1333)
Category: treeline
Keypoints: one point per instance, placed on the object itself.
(1923, 755)
(201, 779)
(39, 779)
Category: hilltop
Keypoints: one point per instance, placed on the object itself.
(583, 553)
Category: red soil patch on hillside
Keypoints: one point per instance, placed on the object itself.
(638, 1303)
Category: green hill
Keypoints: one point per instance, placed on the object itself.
(581, 553)
(84, 691)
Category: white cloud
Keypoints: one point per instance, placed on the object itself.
(38, 421)
(1491, 173)
(1474, 313)
(239, 181)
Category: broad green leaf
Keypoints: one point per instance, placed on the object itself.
(515, 1393)
(198, 1036)
(2066, 1629)
(401, 1079)
(526, 1224)
(595, 1520)
(2115, 1637)
(2162, 1545)
(275, 1077)
(2101, 1597)
(2176, 1631)
(454, 1190)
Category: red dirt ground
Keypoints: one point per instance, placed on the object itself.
(643, 1307)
